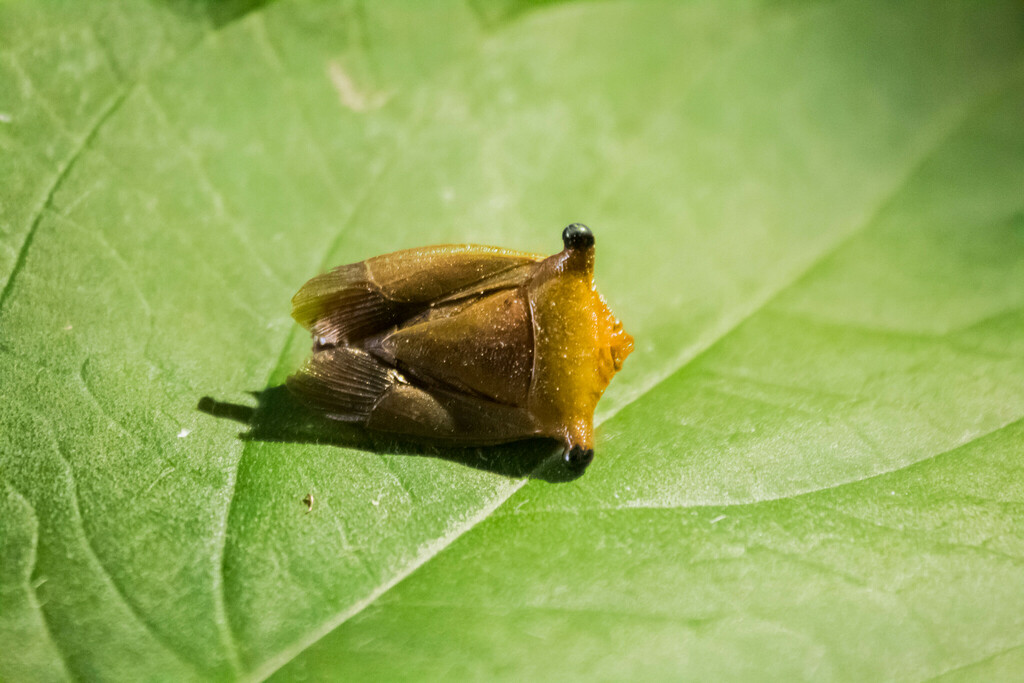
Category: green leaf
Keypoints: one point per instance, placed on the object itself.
(808, 214)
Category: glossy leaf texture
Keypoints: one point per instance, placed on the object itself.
(808, 214)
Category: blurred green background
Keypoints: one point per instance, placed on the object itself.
(809, 214)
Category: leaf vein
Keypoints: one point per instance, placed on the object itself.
(220, 558)
(90, 549)
(19, 264)
(109, 109)
(643, 505)
(978, 662)
(30, 590)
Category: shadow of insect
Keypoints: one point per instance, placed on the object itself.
(278, 417)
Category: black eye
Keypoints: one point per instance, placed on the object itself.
(577, 236)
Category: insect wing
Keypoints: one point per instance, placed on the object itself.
(344, 382)
(362, 299)
(482, 347)
(352, 385)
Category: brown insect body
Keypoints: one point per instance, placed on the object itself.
(463, 344)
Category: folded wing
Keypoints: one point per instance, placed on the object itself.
(356, 301)
(352, 385)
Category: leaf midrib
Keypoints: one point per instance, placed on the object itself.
(640, 506)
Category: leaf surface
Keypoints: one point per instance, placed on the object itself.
(808, 214)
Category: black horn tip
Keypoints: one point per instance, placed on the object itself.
(577, 236)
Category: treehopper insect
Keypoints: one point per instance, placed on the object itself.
(464, 344)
